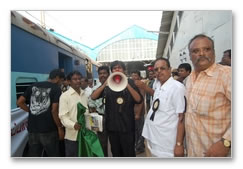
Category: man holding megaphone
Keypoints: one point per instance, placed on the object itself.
(119, 96)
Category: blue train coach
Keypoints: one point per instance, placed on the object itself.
(34, 53)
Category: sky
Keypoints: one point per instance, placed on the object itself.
(94, 27)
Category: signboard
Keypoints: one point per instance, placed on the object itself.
(19, 133)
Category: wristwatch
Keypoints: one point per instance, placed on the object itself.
(227, 143)
(178, 143)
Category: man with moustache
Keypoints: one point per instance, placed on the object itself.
(208, 93)
(68, 112)
(99, 107)
(164, 125)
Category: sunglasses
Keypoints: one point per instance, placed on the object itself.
(159, 68)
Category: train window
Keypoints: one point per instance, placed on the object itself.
(22, 84)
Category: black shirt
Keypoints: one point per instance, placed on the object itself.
(120, 117)
(40, 96)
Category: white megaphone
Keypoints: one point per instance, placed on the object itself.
(117, 81)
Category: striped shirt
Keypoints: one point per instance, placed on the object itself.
(98, 103)
(208, 116)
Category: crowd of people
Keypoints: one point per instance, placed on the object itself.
(174, 113)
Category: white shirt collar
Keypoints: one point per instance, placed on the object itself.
(72, 91)
(166, 85)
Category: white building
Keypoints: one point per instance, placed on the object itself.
(178, 27)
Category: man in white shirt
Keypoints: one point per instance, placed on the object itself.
(68, 112)
(85, 86)
(164, 124)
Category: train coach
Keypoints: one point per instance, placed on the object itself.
(34, 53)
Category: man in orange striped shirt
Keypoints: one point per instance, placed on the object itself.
(208, 92)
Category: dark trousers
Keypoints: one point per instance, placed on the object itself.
(71, 148)
(103, 138)
(62, 148)
(122, 144)
(139, 140)
(40, 142)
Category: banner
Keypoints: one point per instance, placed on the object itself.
(19, 133)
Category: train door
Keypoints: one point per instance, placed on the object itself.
(65, 62)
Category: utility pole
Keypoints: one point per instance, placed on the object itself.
(43, 23)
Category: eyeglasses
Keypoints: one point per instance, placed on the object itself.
(161, 68)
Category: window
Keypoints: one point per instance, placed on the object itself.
(22, 84)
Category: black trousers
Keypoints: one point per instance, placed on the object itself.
(40, 142)
(139, 140)
(103, 138)
(122, 144)
(71, 148)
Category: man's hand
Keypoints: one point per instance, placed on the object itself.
(92, 109)
(179, 151)
(137, 117)
(217, 150)
(143, 86)
(96, 129)
(77, 126)
(140, 84)
(61, 133)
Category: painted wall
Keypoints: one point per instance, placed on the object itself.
(216, 24)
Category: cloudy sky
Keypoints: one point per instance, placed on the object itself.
(94, 27)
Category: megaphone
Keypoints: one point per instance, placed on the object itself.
(117, 81)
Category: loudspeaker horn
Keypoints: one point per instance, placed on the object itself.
(117, 81)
